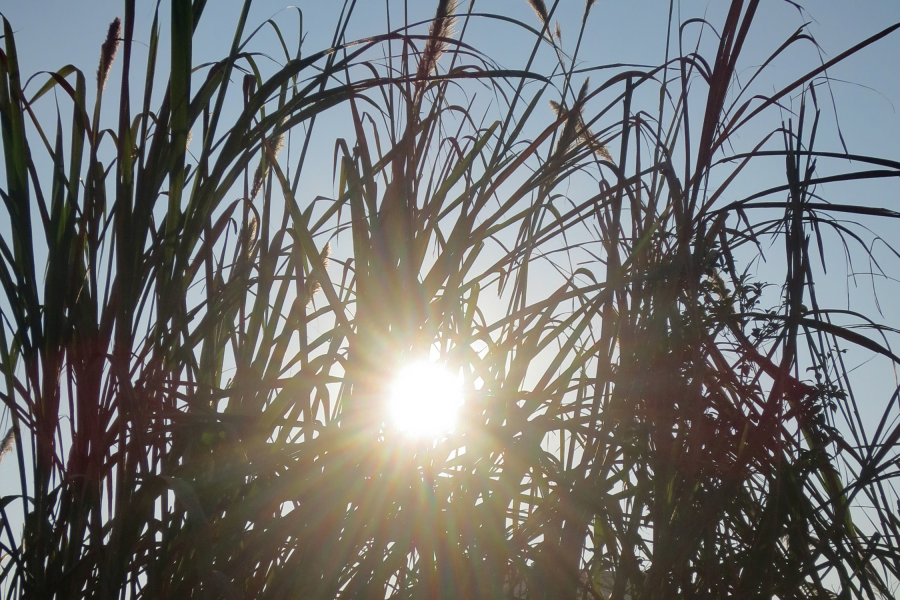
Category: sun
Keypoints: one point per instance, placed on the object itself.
(425, 399)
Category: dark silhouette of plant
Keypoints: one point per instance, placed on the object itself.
(196, 348)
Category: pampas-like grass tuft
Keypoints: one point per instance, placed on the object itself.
(441, 29)
(8, 442)
(276, 143)
(575, 127)
(540, 9)
(108, 52)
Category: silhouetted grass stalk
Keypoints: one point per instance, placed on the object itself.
(197, 384)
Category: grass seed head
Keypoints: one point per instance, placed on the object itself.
(258, 177)
(108, 52)
(326, 252)
(441, 28)
(575, 128)
(252, 234)
(276, 143)
(540, 8)
(8, 441)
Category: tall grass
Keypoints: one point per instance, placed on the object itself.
(195, 354)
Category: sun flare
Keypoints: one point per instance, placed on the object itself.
(425, 399)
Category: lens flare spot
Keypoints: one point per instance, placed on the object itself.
(425, 399)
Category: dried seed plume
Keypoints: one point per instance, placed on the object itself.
(8, 442)
(276, 143)
(108, 52)
(441, 29)
(258, 177)
(326, 252)
(540, 8)
(575, 128)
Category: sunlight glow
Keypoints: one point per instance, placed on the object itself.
(425, 399)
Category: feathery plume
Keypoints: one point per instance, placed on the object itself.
(557, 32)
(575, 124)
(599, 150)
(276, 143)
(7, 444)
(573, 117)
(326, 252)
(258, 177)
(441, 28)
(582, 93)
(108, 52)
(541, 10)
(568, 133)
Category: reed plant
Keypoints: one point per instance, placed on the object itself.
(196, 346)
